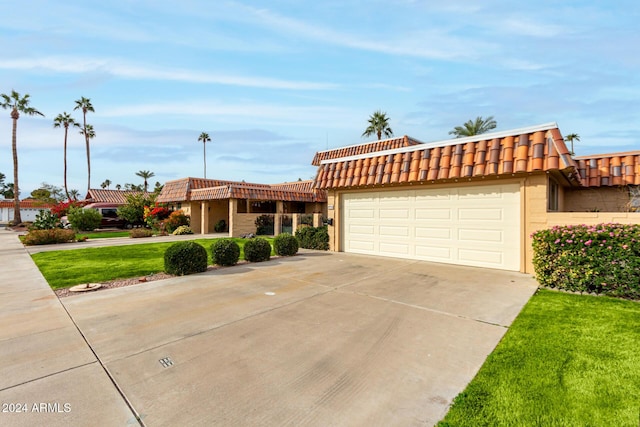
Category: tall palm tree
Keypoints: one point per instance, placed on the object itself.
(145, 175)
(204, 137)
(17, 104)
(378, 125)
(65, 120)
(476, 127)
(572, 137)
(84, 104)
(118, 187)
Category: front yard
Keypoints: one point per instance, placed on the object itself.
(73, 267)
(567, 360)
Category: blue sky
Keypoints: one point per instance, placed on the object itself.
(274, 82)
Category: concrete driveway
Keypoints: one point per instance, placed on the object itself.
(315, 339)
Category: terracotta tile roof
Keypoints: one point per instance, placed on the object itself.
(610, 169)
(536, 148)
(96, 195)
(368, 147)
(26, 204)
(210, 189)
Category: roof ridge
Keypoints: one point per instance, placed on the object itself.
(447, 142)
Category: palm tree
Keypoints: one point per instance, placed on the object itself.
(572, 137)
(378, 125)
(65, 120)
(118, 187)
(74, 194)
(476, 127)
(17, 104)
(84, 104)
(145, 175)
(204, 137)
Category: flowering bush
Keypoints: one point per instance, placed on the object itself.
(154, 216)
(62, 208)
(176, 219)
(603, 258)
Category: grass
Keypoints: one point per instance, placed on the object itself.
(72, 267)
(567, 360)
(103, 234)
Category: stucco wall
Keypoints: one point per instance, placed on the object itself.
(600, 199)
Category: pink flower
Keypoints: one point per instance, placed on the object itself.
(588, 242)
(625, 246)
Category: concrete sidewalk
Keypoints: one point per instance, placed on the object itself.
(48, 373)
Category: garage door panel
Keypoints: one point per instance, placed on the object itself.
(477, 226)
(393, 249)
(429, 214)
(480, 236)
(433, 253)
(393, 231)
(496, 214)
(394, 213)
(433, 232)
(361, 213)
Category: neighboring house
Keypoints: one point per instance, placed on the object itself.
(207, 201)
(29, 208)
(471, 201)
(115, 197)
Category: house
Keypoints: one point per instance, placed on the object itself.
(238, 204)
(112, 197)
(471, 201)
(29, 208)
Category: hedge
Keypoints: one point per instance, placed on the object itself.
(601, 259)
(313, 238)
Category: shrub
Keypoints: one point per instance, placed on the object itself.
(62, 208)
(264, 225)
(313, 238)
(183, 229)
(184, 258)
(306, 219)
(45, 220)
(46, 237)
(220, 226)
(285, 245)
(84, 219)
(603, 258)
(137, 233)
(257, 250)
(133, 211)
(176, 219)
(225, 252)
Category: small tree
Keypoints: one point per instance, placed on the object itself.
(133, 211)
(84, 219)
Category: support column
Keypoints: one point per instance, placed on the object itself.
(204, 218)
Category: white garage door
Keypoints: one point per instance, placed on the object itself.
(476, 226)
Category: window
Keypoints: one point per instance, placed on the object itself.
(553, 196)
(242, 206)
(266, 206)
(634, 198)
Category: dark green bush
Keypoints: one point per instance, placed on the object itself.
(306, 219)
(137, 233)
(285, 245)
(46, 237)
(313, 238)
(45, 220)
(225, 252)
(184, 258)
(603, 258)
(257, 250)
(264, 225)
(220, 226)
(84, 219)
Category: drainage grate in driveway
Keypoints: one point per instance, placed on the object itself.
(166, 362)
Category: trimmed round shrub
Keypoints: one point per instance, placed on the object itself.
(84, 219)
(184, 258)
(285, 245)
(257, 250)
(225, 252)
(182, 230)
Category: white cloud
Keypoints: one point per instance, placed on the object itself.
(126, 70)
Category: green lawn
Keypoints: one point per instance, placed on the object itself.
(567, 360)
(72, 267)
